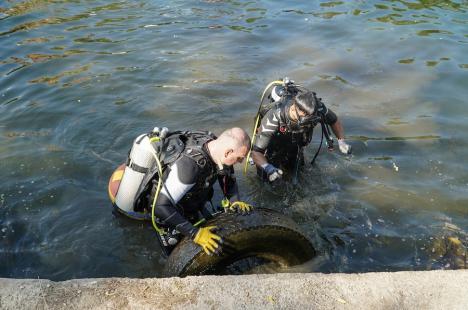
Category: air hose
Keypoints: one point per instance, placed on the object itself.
(158, 188)
(318, 150)
(326, 134)
(257, 119)
(158, 191)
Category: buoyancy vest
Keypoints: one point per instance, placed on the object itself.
(136, 191)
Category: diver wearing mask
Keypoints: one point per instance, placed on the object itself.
(288, 126)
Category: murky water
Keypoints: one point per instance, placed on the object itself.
(80, 79)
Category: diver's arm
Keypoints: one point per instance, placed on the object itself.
(179, 181)
(337, 129)
(268, 127)
(228, 183)
(169, 216)
(229, 186)
(332, 119)
(258, 158)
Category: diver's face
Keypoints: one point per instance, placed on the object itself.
(232, 156)
(295, 114)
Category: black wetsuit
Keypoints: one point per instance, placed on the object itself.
(188, 185)
(281, 140)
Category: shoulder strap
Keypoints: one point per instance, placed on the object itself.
(171, 147)
(194, 146)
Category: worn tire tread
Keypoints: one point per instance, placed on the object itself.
(187, 254)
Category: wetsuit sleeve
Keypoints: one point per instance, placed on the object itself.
(330, 116)
(268, 127)
(181, 178)
(229, 186)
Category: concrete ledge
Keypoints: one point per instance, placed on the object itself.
(399, 290)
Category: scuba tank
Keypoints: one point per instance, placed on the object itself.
(139, 161)
(141, 158)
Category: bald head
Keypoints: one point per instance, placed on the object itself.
(235, 137)
(231, 146)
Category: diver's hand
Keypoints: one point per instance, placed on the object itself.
(208, 240)
(345, 148)
(272, 172)
(240, 207)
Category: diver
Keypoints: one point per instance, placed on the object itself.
(190, 163)
(286, 127)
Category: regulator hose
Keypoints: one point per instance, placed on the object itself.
(158, 188)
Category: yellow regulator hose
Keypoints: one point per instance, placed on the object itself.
(158, 188)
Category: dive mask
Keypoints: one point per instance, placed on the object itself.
(308, 120)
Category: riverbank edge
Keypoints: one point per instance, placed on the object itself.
(397, 290)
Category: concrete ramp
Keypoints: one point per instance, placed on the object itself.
(399, 290)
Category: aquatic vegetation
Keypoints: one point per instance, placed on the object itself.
(331, 4)
(432, 31)
(432, 63)
(26, 7)
(406, 61)
(328, 15)
(51, 80)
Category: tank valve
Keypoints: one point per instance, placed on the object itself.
(163, 132)
(287, 81)
(172, 241)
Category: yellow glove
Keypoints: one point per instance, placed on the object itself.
(207, 240)
(240, 207)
